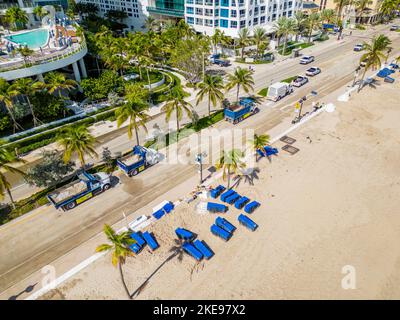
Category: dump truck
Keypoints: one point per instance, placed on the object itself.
(279, 90)
(238, 112)
(139, 159)
(85, 187)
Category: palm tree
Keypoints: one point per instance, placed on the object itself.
(7, 158)
(312, 23)
(259, 142)
(216, 39)
(328, 15)
(240, 78)
(40, 12)
(178, 105)
(77, 139)
(26, 87)
(260, 36)
(6, 96)
(300, 19)
(388, 7)
(151, 23)
(230, 162)
(212, 88)
(16, 15)
(243, 40)
(136, 114)
(340, 4)
(120, 250)
(25, 52)
(285, 27)
(56, 82)
(374, 54)
(361, 5)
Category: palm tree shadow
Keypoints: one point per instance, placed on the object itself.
(249, 178)
(176, 250)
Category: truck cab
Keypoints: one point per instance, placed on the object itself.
(139, 159)
(237, 112)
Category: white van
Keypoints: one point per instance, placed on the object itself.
(279, 90)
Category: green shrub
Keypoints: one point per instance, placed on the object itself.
(263, 92)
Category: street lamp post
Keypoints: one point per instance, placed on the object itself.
(199, 160)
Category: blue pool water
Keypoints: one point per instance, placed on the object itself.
(33, 39)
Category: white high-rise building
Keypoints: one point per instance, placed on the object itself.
(232, 15)
(136, 11)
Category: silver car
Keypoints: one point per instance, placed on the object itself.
(299, 81)
(313, 71)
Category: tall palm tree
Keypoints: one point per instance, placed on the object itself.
(259, 142)
(374, 54)
(388, 7)
(6, 96)
(244, 40)
(120, 250)
(77, 140)
(260, 36)
(230, 162)
(136, 114)
(177, 104)
(240, 78)
(26, 87)
(39, 12)
(25, 52)
(328, 15)
(361, 5)
(212, 88)
(340, 4)
(16, 15)
(300, 19)
(285, 27)
(313, 23)
(216, 39)
(56, 82)
(7, 158)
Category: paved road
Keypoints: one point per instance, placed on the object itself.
(40, 237)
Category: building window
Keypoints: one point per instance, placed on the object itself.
(199, 21)
(223, 23)
(224, 13)
(209, 12)
(242, 13)
(199, 11)
(189, 10)
(199, 2)
(209, 2)
(234, 24)
(190, 20)
(242, 23)
(224, 3)
(233, 13)
(189, 1)
(208, 22)
(255, 21)
(262, 19)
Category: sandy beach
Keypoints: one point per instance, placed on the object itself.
(335, 203)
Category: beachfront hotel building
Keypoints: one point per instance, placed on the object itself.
(136, 11)
(232, 15)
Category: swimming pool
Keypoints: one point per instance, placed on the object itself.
(33, 39)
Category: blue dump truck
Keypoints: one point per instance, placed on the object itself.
(238, 112)
(85, 187)
(139, 159)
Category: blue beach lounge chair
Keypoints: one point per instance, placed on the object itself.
(216, 207)
(249, 208)
(231, 199)
(239, 204)
(184, 234)
(226, 194)
(270, 151)
(225, 224)
(191, 250)
(206, 252)
(158, 214)
(247, 222)
(219, 232)
(215, 193)
(168, 207)
(150, 241)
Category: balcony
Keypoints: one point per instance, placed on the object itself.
(167, 12)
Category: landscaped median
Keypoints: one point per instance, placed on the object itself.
(39, 199)
(263, 92)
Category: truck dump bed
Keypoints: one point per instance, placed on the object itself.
(68, 191)
(130, 159)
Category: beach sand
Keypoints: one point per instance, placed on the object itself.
(333, 204)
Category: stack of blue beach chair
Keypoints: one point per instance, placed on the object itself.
(222, 228)
(195, 248)
(215, 193)
(141, 240)
(167, 208)
(269, 151)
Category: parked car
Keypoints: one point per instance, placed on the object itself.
(313, 71)
(299, 81)
(222, 63)
(394, 28)
(307, 59)
(363, 63)
(358, 47)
